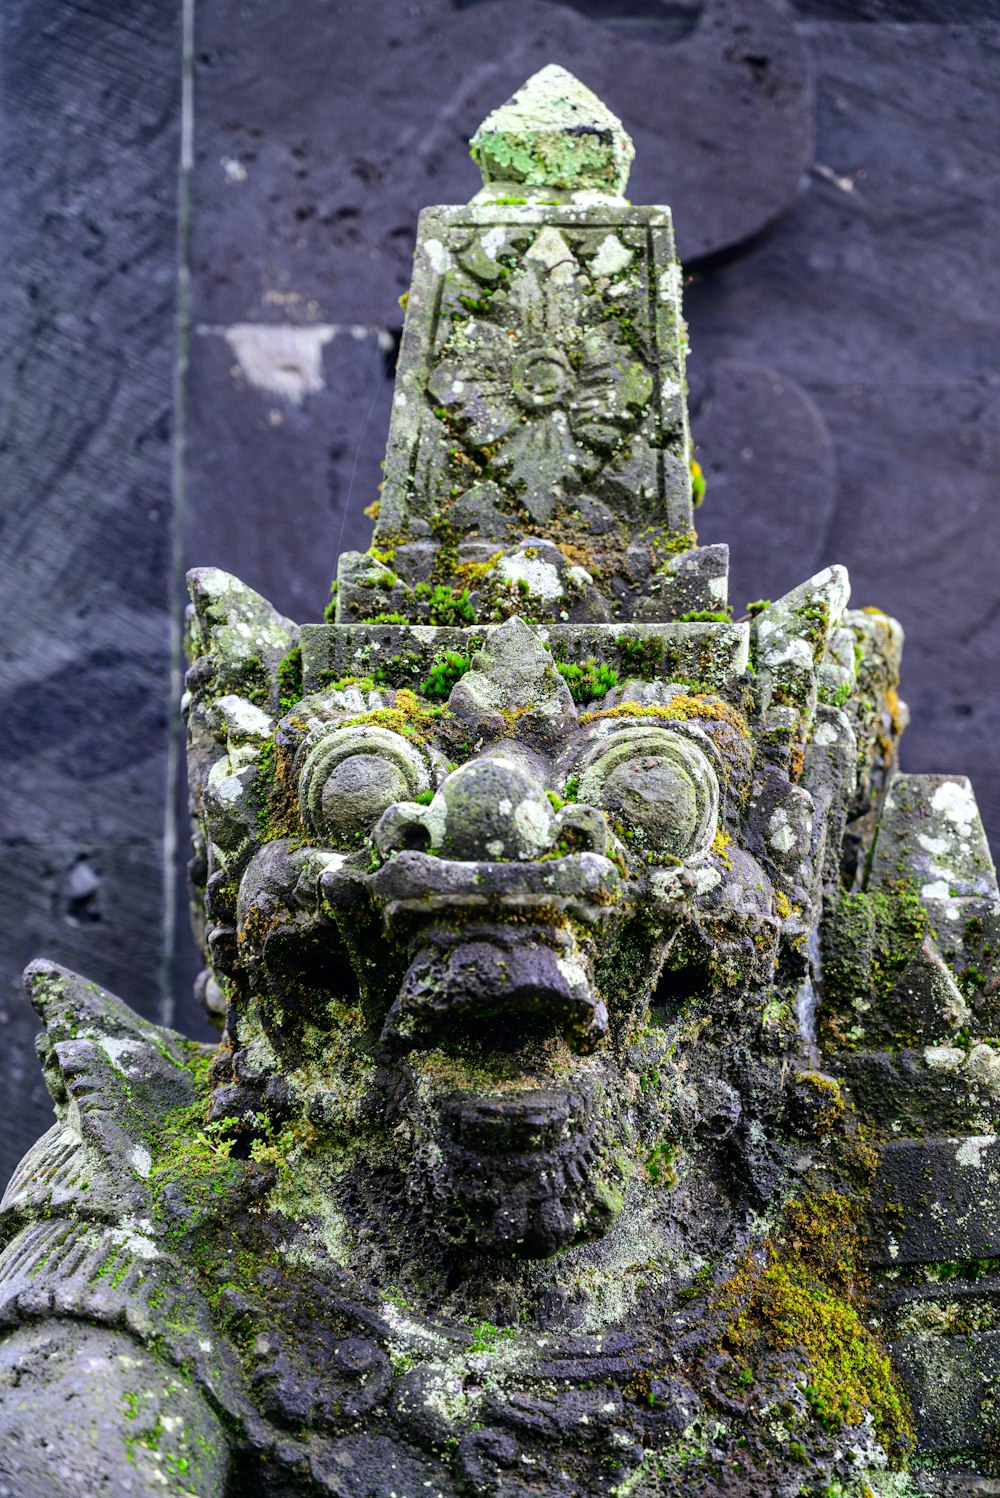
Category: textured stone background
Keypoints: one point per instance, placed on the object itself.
(832, 169)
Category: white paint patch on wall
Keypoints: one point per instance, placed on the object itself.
(279, 358)
(286, 359)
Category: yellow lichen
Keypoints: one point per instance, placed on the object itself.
(679, 708)
(797, 1292)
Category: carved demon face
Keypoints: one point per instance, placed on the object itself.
(509, 904)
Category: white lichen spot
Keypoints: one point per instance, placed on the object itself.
(611, 258)
(573, 972)
(243, 718)
(970, 1151)
(437, 254)
(541, 577)
(954, 800)
(943, 1057)
(782, 835)
(411, 1331)
(937, 889)
(533, 823)
(793, 652)
(138, 1244)
(667, 884)
(670, 283)
(493, 241)
(704, 879)
(141, 1160)
(935, 846)
(115, 1049)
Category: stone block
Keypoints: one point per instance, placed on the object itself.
(952, 1385)
(935, 1090)
(701, 652)
(936, 1200)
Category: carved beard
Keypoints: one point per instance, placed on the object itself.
(515, 1175)
(512, 1132)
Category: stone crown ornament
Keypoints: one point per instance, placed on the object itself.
(606, 1095)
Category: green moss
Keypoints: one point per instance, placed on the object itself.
(290, 679)
(407, 716)
(444, 672)
(588, 679)
(679, 542)
(708, 616)
(815, 618)
(330, 612)
(250, 680)
(275, 798)
(660, 1166)
(446, 605)
(486, 1337)
(331, 683)
(867, 940)
(828, 1105)
(640, 657)
(758, 606)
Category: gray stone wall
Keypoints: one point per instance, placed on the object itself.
(829, 167)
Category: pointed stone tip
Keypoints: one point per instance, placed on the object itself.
(554, 133)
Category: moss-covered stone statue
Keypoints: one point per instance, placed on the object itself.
(605, 1103)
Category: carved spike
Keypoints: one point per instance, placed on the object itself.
(554, 133)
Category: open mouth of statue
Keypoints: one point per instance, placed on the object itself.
(494, 996)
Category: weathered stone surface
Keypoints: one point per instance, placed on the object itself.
(951, 1382)
(553, 133)
(80, 1447)
(511, 957)
(937, 1200)
(911, 1092)
(540, 382)
(402, 655)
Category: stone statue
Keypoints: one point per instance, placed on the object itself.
(603, 1105)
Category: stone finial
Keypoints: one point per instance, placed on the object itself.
(554, 133)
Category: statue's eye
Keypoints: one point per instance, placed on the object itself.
(352, 776)
(659, 788)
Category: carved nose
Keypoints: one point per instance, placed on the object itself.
(495, 810)
(490, 810)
